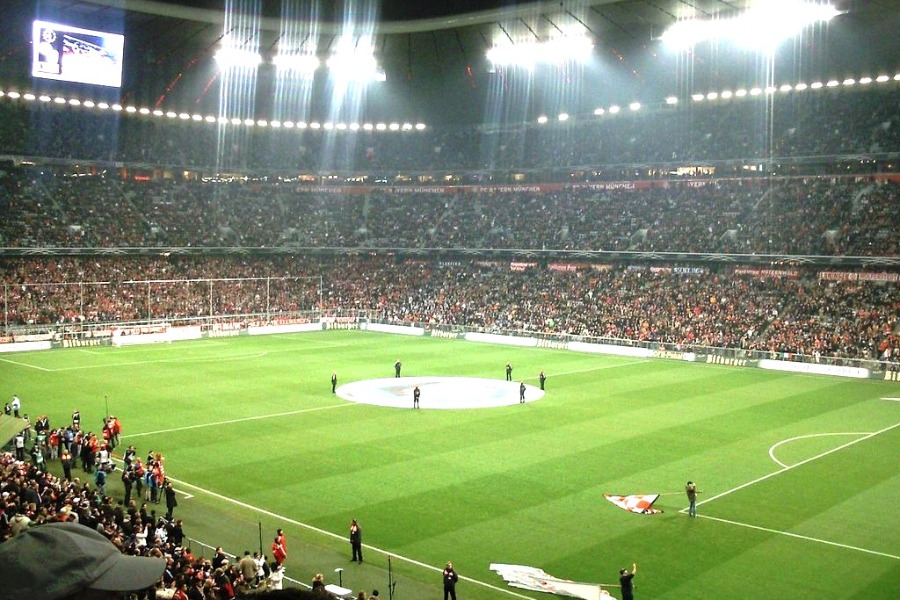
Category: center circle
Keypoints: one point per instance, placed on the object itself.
(437, 392)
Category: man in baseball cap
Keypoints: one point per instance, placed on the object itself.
(57, 561)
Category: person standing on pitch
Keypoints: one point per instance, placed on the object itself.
(397, 366)
(356, 540)
(508, 371)
(522, 393)
(691, 490)
(333, 382)
(450, 579)
(417, 393)
(625, 581)
(542, 378)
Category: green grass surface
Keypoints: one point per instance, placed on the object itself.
(250, 428)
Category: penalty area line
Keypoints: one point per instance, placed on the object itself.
(801, 537)
(336, 536)
(21, 364)
(240, 420)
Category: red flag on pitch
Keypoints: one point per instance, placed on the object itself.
(641, 504)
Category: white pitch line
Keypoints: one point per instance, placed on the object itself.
(578, 371)
(893, 399)
(21, 364)
(341, 537)
(241, 420)
(802, 462)
(801, 537)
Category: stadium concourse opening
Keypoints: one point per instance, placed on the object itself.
(437, 392)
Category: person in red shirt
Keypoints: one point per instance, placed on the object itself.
(279, 552)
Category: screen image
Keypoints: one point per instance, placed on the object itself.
(66, 53)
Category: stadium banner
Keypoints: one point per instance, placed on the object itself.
(674, 355)
(610, 349)
(136, 336)
(287, 328)
(813, 368)
(505, 340)
(447, 335)
(398, 329)
(854, 276)
(24, 346)
(537, 580)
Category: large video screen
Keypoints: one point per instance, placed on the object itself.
(68, 53)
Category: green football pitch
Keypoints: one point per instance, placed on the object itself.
(799, 474)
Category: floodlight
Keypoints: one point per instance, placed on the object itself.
(262, 123)
(380, 127)
(129, 109)
(556, 51)
(755, 91)
(406, 127)
(816, 85)
(274, 123)
(249, 122)
(563, 117)
(394, 126)
(210, 119)
(726, 94)
(764, 25)
(289, 124)
(158, 113)
(697, 97)
(28, 97)
(800, 87)
(299, 63)
(599, 111)
(17, 95)
(634, 106)
(786, 88)
(671, 100)
(144, 110)
(222, 120)
(882, 78)
(865, 80)
(368, 127)
(328, 126)
(741, 93)
(849, 81)
(196, 117)
(542, 119)
(302, 125)
(770, 89)
(353, 66)
(72, 101)
(46, 98)
(235, 121)
(315, 125)
(897, 77)
(420, 126)
(832, 83)
(233, 58)
(171, 114)
(117, 107)
(100, 105)
(57, 100)
(613, 109)
(184, 116)
(712, 96)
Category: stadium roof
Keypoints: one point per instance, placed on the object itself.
(433, 53)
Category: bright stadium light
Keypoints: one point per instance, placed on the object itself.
(762, 26)
(599, 111)
(634, 106)
(833, 83)
(542, 119)
(816, 85)
(712, 96)
(849, 81)
(785, 88)
(800, 87)
(726, 94)
(29, 97)
(556, 51)
(697, 97)
(741, 93)
(755, 91)
(232, 58)
(882, 78)
(304, 64)
(288, 124)
(353, 65)
(562, 117)
(672, 100)
(614, 109)
(865, 80)
(144, 110)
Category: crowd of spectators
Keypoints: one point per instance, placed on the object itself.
(794, 313)
(800, 124)
(848, 216)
